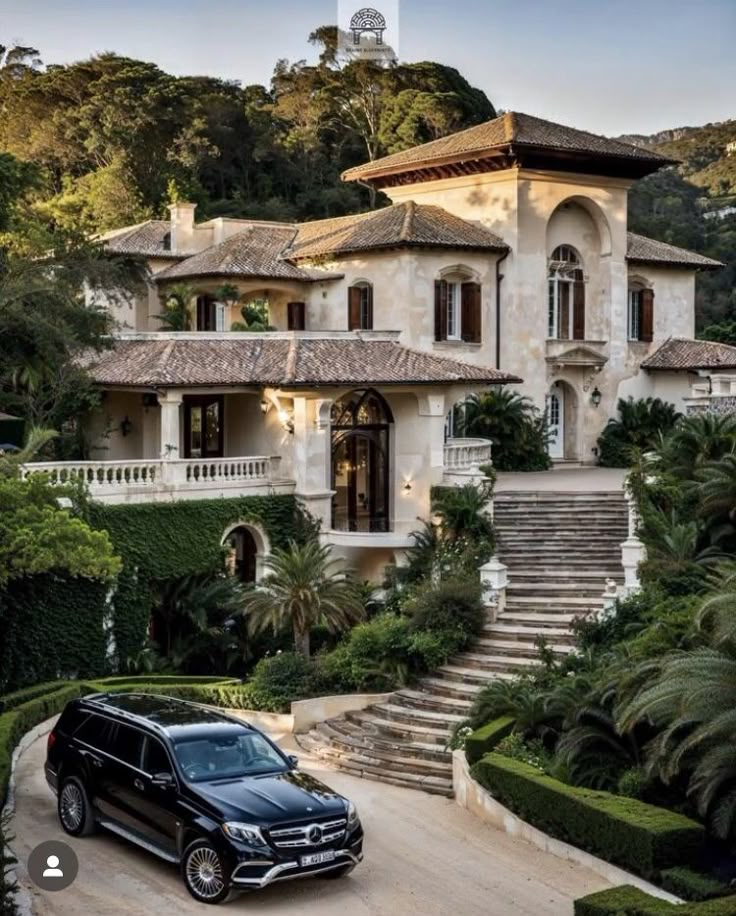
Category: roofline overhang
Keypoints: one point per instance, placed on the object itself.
(434, 246)
(675, 265)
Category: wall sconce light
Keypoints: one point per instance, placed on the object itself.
(125, 426)
(265, 405)
(596, 397)
(149, 400)
(407, 486)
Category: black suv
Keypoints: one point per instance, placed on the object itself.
(198, 788)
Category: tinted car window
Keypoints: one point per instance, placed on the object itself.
(228, 756)
(155, 758)
(94, 731)
(127, 744)
(70, 720)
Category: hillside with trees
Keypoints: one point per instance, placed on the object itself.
(688, 205)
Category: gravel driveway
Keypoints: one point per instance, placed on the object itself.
(423, 855)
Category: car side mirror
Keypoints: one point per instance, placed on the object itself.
(293, 760)
(162, 779)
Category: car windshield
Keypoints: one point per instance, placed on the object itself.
(228, 756)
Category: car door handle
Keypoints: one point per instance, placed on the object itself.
(138, 783)
(95, 761)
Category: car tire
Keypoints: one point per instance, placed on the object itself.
(74, 808)
(338, 873)
(205, 875)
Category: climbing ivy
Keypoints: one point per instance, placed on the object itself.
(164, 541)
(51, 626)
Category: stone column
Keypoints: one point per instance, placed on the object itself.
(633, 551)
(312, 458)
(170, 434)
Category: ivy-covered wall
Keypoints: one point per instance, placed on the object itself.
(167, 540)
(50, 627)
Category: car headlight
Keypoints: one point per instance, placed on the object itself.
(247, 833)
(353, 818)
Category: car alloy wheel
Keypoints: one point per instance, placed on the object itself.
(71, 807)
(204, 874)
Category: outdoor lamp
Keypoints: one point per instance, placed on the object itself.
(126, 425)
(596, 397)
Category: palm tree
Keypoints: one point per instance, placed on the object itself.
(463, 511)
(10, 464)
(717, 490)
(512, 422)
(303, 587)
(692, 704)
(696, 441)
(177, 313)
(639, 426)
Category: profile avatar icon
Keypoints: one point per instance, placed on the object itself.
(52, 869)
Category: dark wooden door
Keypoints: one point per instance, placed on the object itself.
(204, 430)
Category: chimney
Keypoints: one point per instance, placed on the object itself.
(182, 227)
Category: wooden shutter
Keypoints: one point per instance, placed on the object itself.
(369, 310)
(295, 316)
(646, 322)
(578, 310)
(354, 308)
(470, 322)
(440, 310)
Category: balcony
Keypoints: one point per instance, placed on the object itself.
(165, 480)
(465, 456)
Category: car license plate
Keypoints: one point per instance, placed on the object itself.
(318, 858)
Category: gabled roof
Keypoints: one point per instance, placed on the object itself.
(399, 226)
(511, 132)
(151, 239)
(682, 353)
(277, 360)
(640, 249)
(254, 252)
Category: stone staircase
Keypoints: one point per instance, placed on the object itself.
(559, 548)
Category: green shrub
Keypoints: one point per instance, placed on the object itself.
(632, 783)
(532, 752)
(486, 738)
(638, 426)
(624, 831)
(630, 901)
(379, 650)
(333, 672)
(692, 885)
(446, 607)
(429, 649)
(277, 681)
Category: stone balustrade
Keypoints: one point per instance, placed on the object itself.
(466, 454)
(160, 479)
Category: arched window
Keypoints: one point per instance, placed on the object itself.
(640, 311)
(457, 307)
(360, 462)
(360, 306)
(566, 295)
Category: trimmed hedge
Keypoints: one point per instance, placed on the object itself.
(18, 697)
(692, 885)
(630, 901)
(486, 738)
(625, 831)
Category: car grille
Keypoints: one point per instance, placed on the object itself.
(317, 833)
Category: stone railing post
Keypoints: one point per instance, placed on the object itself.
(494, 580)
(633, 551)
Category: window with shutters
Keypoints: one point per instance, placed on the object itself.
(565, 295)
(641, 313)
(360, 306)
(457, 309)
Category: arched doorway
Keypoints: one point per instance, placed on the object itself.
(246, 549)
(360, 462)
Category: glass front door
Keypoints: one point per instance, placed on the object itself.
(360, 482)
(203, 427)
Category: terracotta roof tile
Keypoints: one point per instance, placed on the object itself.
(254, 252)
(649, 251)
(511, 128)
(278, 360)
(401, 225)
(682, 353)
(151, 239)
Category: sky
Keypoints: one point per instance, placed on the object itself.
(609, 66)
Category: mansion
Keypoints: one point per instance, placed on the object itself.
(503, 259)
